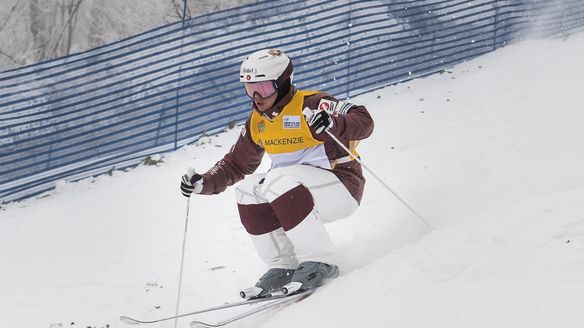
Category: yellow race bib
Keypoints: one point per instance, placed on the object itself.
(286, 133)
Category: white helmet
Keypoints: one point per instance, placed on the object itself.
(266, 65)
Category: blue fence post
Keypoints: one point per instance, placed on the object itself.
(184, 14)
(562, 20)
(496, 18)
(350, 26)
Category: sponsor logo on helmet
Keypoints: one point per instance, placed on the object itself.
(275, 52)
(251, 70)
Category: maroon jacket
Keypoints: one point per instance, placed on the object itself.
(245, 156)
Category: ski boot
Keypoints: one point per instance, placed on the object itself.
(310, 275)
(271, 281)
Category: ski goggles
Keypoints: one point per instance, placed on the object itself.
(264, 88)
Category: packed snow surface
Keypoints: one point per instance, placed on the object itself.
(489, 151)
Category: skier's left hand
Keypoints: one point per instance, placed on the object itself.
(320, 121)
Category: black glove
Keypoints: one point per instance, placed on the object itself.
(191, 182)
(321, 120)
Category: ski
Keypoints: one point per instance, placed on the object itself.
(132, 321)
(285, 300)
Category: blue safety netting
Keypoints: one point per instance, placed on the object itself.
(83, 114)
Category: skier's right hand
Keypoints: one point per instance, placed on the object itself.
(191, 182)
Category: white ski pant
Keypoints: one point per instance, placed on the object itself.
(284, 211)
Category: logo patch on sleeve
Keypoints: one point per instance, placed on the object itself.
(327, 105)
(291, 122)
(334, 107)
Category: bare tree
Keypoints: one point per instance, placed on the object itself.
(178, 6)
(3, 25)
(38, 30)
(41, 26)
(64, 39)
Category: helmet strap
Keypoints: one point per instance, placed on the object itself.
(283, 90)
(284, 82)
(286, 74)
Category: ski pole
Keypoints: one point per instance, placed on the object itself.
(132, 321)
(378, 179)
(182, 260)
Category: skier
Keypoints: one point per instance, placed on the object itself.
(312, 180)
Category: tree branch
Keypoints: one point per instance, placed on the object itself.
(11, 58)
(65, 26)
(12, 10)
(178, 10)
(176, 7)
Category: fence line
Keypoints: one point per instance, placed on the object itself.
(83, 114)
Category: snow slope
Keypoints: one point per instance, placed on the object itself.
(489, 151)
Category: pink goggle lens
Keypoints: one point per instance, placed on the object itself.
(265, 88)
